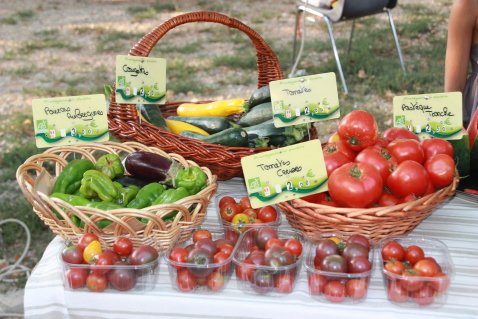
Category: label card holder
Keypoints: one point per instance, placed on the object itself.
(305, 99)
(284, 174)
(70, 120)
(430, 115)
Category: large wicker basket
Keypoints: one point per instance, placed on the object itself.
(374, 223)
(223, 161)
(36, 183)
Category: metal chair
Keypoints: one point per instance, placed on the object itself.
(343, 11)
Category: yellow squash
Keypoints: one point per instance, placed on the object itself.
(218, 108)
(177, 127)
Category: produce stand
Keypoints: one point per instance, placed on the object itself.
(454, 222)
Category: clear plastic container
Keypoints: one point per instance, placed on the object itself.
(333, 287)
(120, 278)
(267, 280)
(197, 277)
(237, 197)
(432, 291)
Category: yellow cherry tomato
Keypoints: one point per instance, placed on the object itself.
(335, 239)
(93, 249)
(240, 221)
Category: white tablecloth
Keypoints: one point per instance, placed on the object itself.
(455, 223)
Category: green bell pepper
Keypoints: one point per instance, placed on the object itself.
(127, 194)
(69, 179)
(95, 183)
(146, 196)
(192, 178)
(167, 197)
(110, 165)
(71, 199)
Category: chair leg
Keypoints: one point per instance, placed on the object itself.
(295, 38)
(336, 54)
(392, 25)
(351, 35)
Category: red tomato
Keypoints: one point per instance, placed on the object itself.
(123, 246)
(314, 198)
(407, 199)
(86, 239)
(316, 284)
(335, 291)
(413, 254)
(411, 280)
(397, 133)
(339, 147)
(267, 214)
(433, 146)
(387, 199)
(185, 281)
(99, 263)
(424, 296)
(327, 201)
(396, 292)
(431, 188)
(333, 138)
(441, 169)
(408, 149)
(226, 199)
(334, 161)
(96, 282)
(358, 130)
(378, 157)
(201, 233)
(215, 281)
(228, 211)
(440, 282)
(245, 202)
(356, 288)
(382, 141)
(394, 266)
(76, 277)
(284, 283)
(409, 177)
(244, 272)
(294, 246)
(355, 185)
(426, 267)
(393, 250)
(179, 255)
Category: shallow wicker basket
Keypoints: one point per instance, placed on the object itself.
(374, 223)
(125, 124)
(36, 183)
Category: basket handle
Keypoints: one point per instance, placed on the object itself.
(268, 66)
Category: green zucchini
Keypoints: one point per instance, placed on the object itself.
(211, 124)
(153, 115)
(293, 133)
(232, 137)
(259, 96)
(259, 114)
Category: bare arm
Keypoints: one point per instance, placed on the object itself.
(461, 26)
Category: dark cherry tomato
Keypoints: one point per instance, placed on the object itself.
(359, 264)
(268, 214)
(86, 239)
(334, 263)
(424, 296)
(335, 291)
(413, 254)
(257, 257)
(326, 247)
(352, 250)
(226, 199)
(215, 281)
(122, 278)
(356, 288)
(96, 282)
(277, 256)
(206, 243)
(294, 246)
(396, 292)
(263, 234)
(201, 233)
(284, 283)
(76, 277)
(100, 262)
(200, 256)
(123, 246)
(143, 255)
(262, 281)
(359, 239)
(316, 283)
(185, 281)
(393, 250)
(244, 272)
(232, 236)
(72, 254)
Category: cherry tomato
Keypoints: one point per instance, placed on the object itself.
(382, 141)
(225, 248)
(263, 234)
(394, 266)
(393, 250)
(215, 281)
(226, 199)
(358, 130)
(359, 239)
(433, 146)
(91, 250)
(339, 147)
(240, 221)
(244, 272)
(86, 239)
(441, 283)
(201, 233)
(262, 281)
(413, 254)
(355, 185)
(200, 257)
(408, 149)
(96, 282)
(251, 213)
(206, 243)
(354, 250)
(326, 247)
(426, 267)
(232, 235)
(409, 177)
(398, 133)
(76, 277)
(143, 255)
(424, 296)
(277, 256)
(257, 257)
(410, 280)
(441, 169)
(284, 283)
(294, 246)
(333, 138)
(358, 265)
(122, 278)
(334, 263)
(72, 254)
(334, 161)
(245, 202)
(179, 255)
(387, 199)
(99, 263)
(114, 255)
(273, 241)
(316, 283)
(123, 246)
(356, 288)
(228, 211)
(221, 258)
(185, 281)
(396, 292)
(335, 291)
(268, 214)
(380, 158)
(436, 264)
(407, 199)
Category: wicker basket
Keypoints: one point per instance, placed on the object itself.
(374, 223)
(223, 161)
(124, 220)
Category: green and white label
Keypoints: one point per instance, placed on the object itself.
(305, 99)
(140, 80)
(284, 174)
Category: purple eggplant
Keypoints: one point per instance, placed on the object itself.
(152, 166)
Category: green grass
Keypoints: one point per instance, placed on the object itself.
(113, 41)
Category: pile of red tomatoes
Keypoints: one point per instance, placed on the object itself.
(369, 169)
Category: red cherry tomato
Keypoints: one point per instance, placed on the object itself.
(358, 130)
(96, 282)
(185, 281)
(267, 214)
(201, 233)
(411, 280)
(393, 250)
(294, 246)
(179, 255)
(284, 283)
(244, 272)
(226, 199)
(396, 292)
(123, 246)
(245, 202)
(100, 262)
(440, 283)
(413, 254)
(426, 267)
(356, 288)
(335, 291)
(316, 283)
(86, 239)
(228, 211)
(76, 277)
